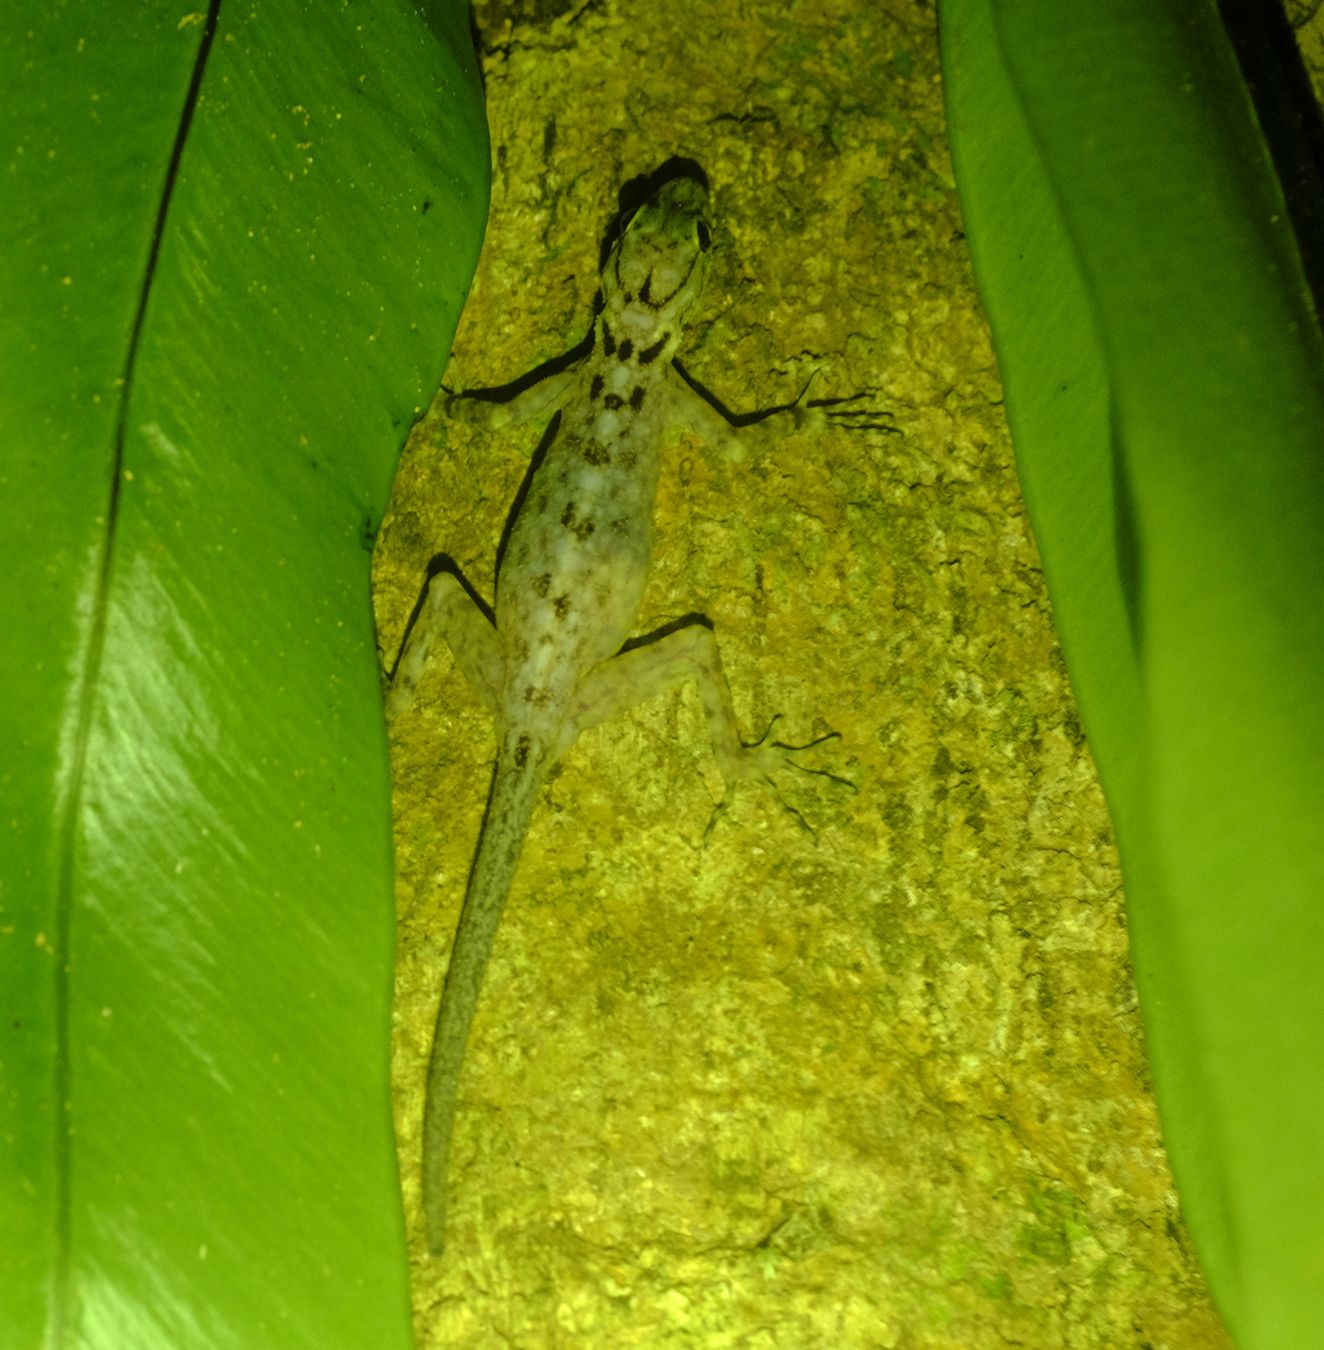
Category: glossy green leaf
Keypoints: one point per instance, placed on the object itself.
(1164, 375)
(233, 249)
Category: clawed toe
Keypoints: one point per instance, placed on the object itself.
(854, 419)
(764, 757)
(832, 412)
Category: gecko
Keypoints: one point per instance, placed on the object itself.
(569, 586)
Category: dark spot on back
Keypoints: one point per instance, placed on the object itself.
(595, 387)
(541, 584)
(521, 752)
(627, 349)
(581, 529)
(596, 453)
(614, 401)
(608, 341)
(561, 606)
(637, 397)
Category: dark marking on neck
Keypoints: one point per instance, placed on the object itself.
(595, 388)
(650, 354)
(608, 340)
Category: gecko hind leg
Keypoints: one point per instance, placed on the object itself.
(690, 652)
(449, 610)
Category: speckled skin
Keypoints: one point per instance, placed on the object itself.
(577, 558)
(569, 589)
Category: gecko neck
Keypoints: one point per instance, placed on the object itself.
(636, 335)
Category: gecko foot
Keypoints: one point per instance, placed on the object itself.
(760, 760)
(814, 414)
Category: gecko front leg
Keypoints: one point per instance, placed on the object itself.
(525, 402)
(697, 412)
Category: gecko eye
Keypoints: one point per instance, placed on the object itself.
(705, 236)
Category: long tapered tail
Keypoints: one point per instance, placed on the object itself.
(505, 825)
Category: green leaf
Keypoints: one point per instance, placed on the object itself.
(1165, 387)
(230, 270)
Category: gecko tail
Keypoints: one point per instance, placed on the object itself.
(509, 807)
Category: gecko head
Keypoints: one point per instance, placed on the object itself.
(658, 265)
